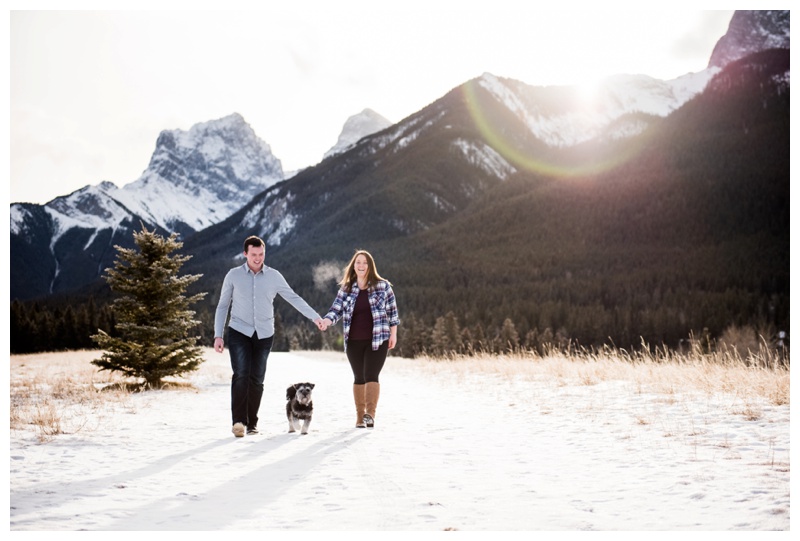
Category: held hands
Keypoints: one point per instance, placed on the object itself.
(323, 323)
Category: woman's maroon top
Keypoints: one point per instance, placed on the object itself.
(361, 323)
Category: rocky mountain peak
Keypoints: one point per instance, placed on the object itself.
(200, 176)
(357, 126)
(750, 32)
(212, 144)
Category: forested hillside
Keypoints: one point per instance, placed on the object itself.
(687, 237)
(681, 232)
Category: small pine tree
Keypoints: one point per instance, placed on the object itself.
(446, 335)
(152, 314)
(509, 338)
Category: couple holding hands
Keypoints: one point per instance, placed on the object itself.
(365, 303)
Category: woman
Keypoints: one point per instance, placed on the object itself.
(367, 307)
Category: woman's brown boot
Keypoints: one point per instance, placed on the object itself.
(373, 393)
(360, 398)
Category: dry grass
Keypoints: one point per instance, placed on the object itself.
(751, 381)
(57, 393)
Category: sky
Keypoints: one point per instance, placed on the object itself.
(91, 90)
(530, 446)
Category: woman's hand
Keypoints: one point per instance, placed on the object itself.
(323, 323)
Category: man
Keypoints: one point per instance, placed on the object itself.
(248, 292)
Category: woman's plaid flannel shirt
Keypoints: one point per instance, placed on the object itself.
(382, 304)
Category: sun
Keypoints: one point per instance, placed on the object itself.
(588, 89)
(530, 159)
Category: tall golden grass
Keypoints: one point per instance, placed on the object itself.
(59, 393)
(764, 376)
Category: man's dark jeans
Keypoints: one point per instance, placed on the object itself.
(249, 363)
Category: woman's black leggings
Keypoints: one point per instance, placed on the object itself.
(366, 363)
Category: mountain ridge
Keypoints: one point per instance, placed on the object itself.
(645, 247)
(463, 193)
(195, 180)
(355, 127)
(749, 32)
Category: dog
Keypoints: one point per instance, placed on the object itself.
(299, 406)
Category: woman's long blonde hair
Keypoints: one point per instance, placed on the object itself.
(349, 277)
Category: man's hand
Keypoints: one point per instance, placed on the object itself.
(323, 323)
(219, 344)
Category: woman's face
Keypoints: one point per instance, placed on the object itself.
(361, 266)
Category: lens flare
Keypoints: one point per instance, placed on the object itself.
(580, 160)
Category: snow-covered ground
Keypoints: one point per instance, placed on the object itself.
(450, 450)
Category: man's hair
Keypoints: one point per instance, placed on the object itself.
(253, 241)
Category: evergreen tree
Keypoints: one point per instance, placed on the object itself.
(509, 338)
(479, 343)
(153, 319)
(280, 341)
(21, 328)
(446, 336)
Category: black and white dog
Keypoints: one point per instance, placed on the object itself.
(299, 406)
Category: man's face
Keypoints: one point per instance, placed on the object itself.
(255, 257)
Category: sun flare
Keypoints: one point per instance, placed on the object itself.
(588, 89)
(532, 160)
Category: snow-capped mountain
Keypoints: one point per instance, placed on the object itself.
(355, 128)
(562, 116)
(750, 32)
(699, 202)
(212, 172)
(75, 233)
(201, 176)
(566, 116)
(556, 117)
(195, 178)
(90, 207)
